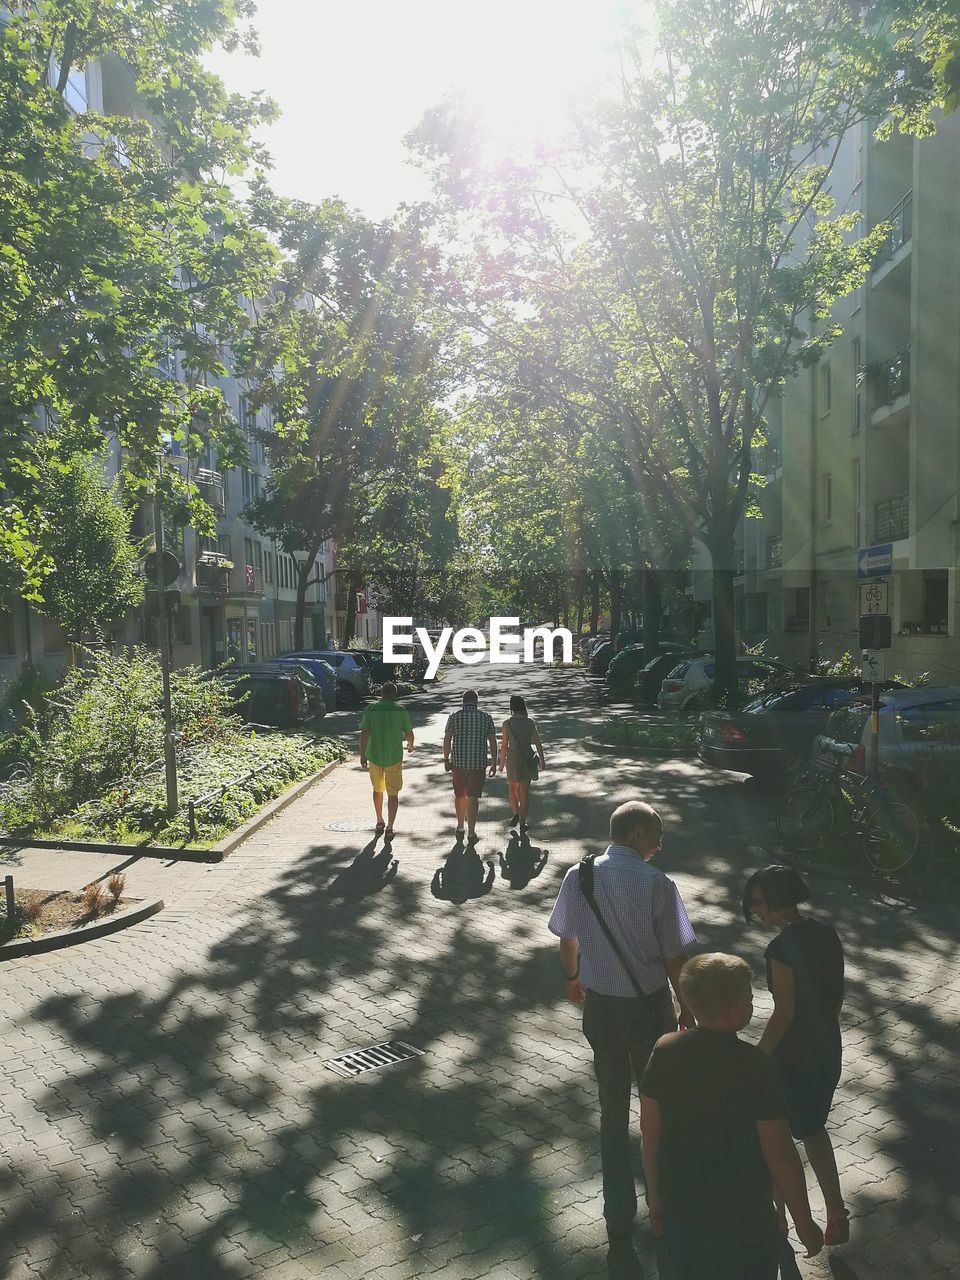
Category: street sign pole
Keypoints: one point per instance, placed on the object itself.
(873, 764)
(163, 625)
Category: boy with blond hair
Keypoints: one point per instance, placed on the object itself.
(716, 1139)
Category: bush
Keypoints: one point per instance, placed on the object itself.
(116, 886)
(94, 900)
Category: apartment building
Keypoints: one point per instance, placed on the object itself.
(864, 448)
(235, 597)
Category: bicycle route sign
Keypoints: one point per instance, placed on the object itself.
(873, 665)
(873, 597)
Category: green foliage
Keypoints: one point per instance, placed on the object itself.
(93, 755)
(121, 242)
(95, 575)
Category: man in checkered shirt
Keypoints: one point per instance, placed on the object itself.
(643, 910)
(469, 753)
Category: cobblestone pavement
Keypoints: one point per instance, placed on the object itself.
(166, 1111)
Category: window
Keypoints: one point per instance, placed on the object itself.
(932, 722)
(935, 600)
(53, 638)
(857, 505)
(249, 485)
(827, 489)
(826, 386)
(268, 559)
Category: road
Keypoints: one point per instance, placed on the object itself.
(166, 1110)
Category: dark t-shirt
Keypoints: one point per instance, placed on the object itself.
(714, 1183)
(813, 951)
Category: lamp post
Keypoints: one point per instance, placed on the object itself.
(163, 627)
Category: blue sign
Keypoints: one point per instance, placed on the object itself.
(875, 562)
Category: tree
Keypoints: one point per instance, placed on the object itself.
(704, 251)
(346, 359)
(125, 257)
(95, 574)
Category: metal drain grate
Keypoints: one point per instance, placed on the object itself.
(350, 824)
(378, 1055)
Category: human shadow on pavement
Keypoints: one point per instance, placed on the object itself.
(369, 872)
(521, 861)
(463, 875)
(622, 1261)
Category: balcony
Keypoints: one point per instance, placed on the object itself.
(775, 552)
(900, 218)
(891, 519)
(210, 485)
(890, 381)
(248, 581)
(213, 573)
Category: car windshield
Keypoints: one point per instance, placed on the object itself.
(679, 672)
(779, 697)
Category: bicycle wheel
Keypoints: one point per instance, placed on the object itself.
(805, 818)
(891, 833)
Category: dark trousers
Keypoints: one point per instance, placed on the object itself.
(622, 1032)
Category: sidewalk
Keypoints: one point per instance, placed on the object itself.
(167, 1112)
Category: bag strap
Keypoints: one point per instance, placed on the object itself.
(586, 886)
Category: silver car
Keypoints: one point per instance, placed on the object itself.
(917, 728)
(688, 686)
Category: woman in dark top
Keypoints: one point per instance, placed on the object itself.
(805, 977)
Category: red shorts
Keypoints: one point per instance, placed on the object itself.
(468, 782)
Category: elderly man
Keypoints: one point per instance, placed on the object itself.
(626, 996)
(469, 753)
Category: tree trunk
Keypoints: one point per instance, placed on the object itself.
(652, 613)
(724, 621)
(594, 602)
(580, 603)
(354, 583)
(303, 578)
(616, 601)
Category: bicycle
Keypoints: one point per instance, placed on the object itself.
(807, 816)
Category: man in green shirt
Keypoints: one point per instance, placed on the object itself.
(382, 731)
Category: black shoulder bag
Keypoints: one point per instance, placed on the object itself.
(586, 886)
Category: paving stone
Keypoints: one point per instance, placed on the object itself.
(169, 1082)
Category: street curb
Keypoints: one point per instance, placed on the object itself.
(216, 853)
(656, 752)
(85, 933)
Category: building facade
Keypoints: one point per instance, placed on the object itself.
(862, 459)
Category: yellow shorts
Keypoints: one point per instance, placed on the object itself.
(387, 778)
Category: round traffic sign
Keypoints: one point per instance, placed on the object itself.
(161, 570)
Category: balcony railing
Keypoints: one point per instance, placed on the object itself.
(892, 377)
(891, 519)
(210, 484)
(213, 572)
(900, 218)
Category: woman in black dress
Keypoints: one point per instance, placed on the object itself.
(805, 977)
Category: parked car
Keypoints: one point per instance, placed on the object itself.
(353, 677)
(772, 735)
(688, 686)
(919, 729)
(589, 643)
(278, 697)
(321, 671)
(601, 657)
(625, 667)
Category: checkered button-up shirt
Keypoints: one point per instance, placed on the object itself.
(470, 730)
(644, 912)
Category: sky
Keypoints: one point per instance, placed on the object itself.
(353, 77)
